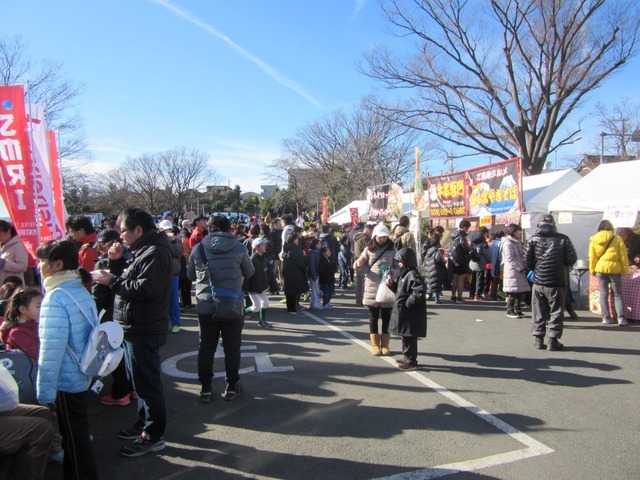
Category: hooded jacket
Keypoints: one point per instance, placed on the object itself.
(218, 260)
(607, 254)
(514, 272)
(549, 254)
(14, 259)
(409, 314)
(143, 291)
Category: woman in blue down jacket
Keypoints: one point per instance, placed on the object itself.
(63, 325)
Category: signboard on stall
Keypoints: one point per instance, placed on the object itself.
(384, 202)
(493, 190)
(621, 214)
(355, 216)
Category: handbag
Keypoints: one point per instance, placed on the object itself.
(384, 293)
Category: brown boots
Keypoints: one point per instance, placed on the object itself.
(385, 339)
(378, 341)
(375, 344)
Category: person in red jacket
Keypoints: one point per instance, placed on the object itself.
(82, 231)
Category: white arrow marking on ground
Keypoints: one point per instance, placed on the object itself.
(263, 364)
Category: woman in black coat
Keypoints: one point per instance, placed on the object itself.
(294, 272)
(436, 268)
(409, 314)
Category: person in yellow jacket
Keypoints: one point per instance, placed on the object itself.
(608, 261)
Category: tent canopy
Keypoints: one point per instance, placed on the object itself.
(607, 185)
(539, 190)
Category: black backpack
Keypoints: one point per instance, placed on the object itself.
(24, 371)
(397, 243)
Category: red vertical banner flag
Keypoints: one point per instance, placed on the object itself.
(16, 170)
(56, 178)
(325, 210)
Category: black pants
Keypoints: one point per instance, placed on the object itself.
(79, 462)
(210, 332)
(410, 348)
(292, 301)
(185, 291)
(121, 385)
(143, 361)
(374, 315)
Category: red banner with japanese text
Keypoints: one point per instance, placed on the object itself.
(16, 170)
(325, 209)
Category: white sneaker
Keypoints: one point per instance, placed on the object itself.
(622, 322)
(608, 321)
(327, 307)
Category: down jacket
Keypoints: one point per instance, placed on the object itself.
(435, 269)
(221, 260)
(549, 254)
(14, 259)
(605, 257)
(514, 271)
(143, 291)
(62, 324)
(294, 269)
(409, 315)
(374, 264)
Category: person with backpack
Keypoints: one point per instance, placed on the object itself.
(258, 283)
(64, 332)
(479, 258)
(219, 265)
(458, 260)
(402, 237)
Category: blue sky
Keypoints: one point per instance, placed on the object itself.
(232, 78)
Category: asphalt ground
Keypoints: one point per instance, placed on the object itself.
(317, 405)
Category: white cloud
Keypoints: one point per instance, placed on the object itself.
(272, 72)
(358, 6)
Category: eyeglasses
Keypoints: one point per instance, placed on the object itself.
(125, 230)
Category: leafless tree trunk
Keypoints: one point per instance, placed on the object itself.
(501, 77)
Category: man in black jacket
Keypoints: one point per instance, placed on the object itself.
(141, 306)
(549, 254)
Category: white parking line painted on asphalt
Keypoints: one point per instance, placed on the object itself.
(533, 447)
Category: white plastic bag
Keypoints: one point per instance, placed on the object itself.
(384, 293)
(8, 390)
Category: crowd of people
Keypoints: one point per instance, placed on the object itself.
(138, 270)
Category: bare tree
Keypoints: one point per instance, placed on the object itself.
(620, 124)
(183, 171)
(344, 153)
(142, 175)
(46, 84)
(501, 77)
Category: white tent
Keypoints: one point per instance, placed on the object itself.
(579, 209)
(539, 190)
(344, 214)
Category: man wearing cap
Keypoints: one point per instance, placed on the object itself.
(258, 284)
(198, 231)
(549, 254)
(219, 264)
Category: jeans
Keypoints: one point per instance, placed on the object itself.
(210, 332)
(615, 280)
(344, 275)
(142, 353)
(548, 304)
(410, 348)
(315, 293)
(327, 292)
(174, 303)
